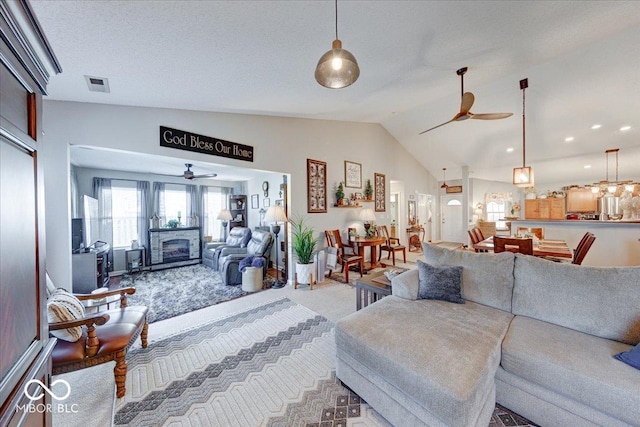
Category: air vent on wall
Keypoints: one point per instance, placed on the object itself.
(97, 84)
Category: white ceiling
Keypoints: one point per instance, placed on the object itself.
(582, 60)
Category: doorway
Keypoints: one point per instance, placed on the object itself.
(451, 229)
(394, 213)
(426, 203)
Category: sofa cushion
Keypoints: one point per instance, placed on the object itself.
(442, 355)
(440, 283)
(573, 364)
(486, 278)
(601, 301)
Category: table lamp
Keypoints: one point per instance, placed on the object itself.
(276, 215)
(367, 216)
(225, 217)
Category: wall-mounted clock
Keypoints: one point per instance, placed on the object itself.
(265, 188)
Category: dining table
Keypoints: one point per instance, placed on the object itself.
(373, 242)
(541, 248)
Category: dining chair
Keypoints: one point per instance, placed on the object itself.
(488, 228)
(583, 247)
(344, 258)
(391, 245)
(476, 236)
(524, 246)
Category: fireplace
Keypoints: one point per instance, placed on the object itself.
(175, 250)
(173, 247)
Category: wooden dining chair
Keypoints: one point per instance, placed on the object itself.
(502, 244)
(583, 247)
(345, 259)
(476, 236)
(536, 231)
(391, 245)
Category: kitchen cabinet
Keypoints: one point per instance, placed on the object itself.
(550, 208)
(582, 200)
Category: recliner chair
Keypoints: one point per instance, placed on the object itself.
(259, 246)
(238, 237)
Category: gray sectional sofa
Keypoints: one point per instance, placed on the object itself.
(533, 335)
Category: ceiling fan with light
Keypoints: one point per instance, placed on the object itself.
(188, 174)
(465, 106)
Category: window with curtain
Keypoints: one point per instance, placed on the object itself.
(497, 207)
(214, 199)
(175, 202)
(124, 211)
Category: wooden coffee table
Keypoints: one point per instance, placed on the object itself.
(370, 290)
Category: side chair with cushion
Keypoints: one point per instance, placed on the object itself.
(391, 245)
(230, 257)
(346, 258)
(86, 340)
(238, 237)
(523, 246)
(583, 247)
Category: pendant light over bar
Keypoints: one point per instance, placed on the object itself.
(337, 68)
(523, 177)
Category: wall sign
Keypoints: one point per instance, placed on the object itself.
(188, 141)
(454, 189)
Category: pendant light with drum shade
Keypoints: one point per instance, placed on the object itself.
(523, 177)
(444, 178)
(337, 68)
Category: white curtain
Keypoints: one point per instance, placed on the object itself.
(102, 192)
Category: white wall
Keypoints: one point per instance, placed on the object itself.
(281, 144)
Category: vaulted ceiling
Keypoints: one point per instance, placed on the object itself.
(582, 60)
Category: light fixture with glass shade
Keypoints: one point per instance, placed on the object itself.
(523, 177)
(225, 217)
(276, 215)
(337, 68)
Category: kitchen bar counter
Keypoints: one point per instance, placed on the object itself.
(617, 242)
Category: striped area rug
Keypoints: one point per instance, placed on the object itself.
(273, 365)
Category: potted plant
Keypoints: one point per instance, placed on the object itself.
(304, 248)
(339, 194)
(368, 190)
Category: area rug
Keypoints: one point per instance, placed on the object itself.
(272, 365)
(171, 292)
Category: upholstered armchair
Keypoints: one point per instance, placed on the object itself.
(238, 237)
(259, 246)
(86, 340)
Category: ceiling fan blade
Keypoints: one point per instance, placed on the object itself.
(207, 175)
(435, 127)
(490, 116)
(467, 102)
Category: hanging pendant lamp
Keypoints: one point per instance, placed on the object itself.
(444, 178)
(337, 68)
(523, 177)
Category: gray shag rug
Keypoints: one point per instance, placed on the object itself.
(175, 291)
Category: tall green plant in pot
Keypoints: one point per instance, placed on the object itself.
(304, 248)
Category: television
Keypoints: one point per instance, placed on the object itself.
(91, 223)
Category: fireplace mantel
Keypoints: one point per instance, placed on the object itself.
(173, 247)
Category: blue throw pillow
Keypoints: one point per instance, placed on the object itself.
(630, 357)
(440, 283)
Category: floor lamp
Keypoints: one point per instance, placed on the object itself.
(225, 217)
(276, 215)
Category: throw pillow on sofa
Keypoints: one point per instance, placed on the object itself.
(630, 357)
(440, 283)
(61, 307)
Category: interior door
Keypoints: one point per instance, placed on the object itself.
(451, 227)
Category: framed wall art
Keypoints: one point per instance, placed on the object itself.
(454, 189)
(379, 191)
(254, 201)
(352, 174)
(266, 202)
(316, 186)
